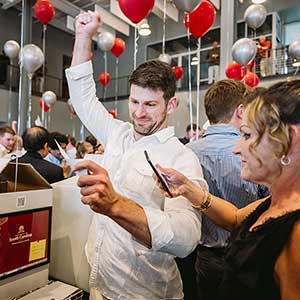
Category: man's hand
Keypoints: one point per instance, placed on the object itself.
(87, 24)
(96, 188)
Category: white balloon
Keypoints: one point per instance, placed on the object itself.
(11, 49)
(31, 58)
(165, 58)
(294, 50)
(49, 98)
(105, 41)
(243, 51)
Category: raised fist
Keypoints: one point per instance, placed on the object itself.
(87, 24)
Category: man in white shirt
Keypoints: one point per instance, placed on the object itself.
(136, 232)
(7, 141)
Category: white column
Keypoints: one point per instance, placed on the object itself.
(228, 25)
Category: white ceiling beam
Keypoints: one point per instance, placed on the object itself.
(9, 4)
(112, 21)
(171, 10)
(66, 7)
(216, 3)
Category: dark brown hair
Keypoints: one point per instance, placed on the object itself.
(155, 75)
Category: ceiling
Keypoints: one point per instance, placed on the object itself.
(112, 17)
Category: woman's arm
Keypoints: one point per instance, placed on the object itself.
(287, 267)
(220, 211)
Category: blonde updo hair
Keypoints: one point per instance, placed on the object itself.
(272, 112)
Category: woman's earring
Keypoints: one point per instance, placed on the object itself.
(285, 160)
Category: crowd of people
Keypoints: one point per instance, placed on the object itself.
(39, 147)
(233, 221)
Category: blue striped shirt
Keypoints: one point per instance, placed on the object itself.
(222, 170)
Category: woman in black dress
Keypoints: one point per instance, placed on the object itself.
(263, 257)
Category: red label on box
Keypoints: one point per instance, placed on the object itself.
(24, 241)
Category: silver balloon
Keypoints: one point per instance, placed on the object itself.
(165, 58)
(243, 51)
(31, 58)
(186, 5)
(255, 15)
(49, 98)
(11, 49)
(105, 41)
(294, 50)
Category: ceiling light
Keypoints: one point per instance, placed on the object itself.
(194, 61)
(144, 28)
(258, 1)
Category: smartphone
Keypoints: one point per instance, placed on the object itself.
(159, 175)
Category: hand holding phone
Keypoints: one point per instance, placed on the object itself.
(159, 175)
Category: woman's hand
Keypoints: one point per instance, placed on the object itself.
(180, 185)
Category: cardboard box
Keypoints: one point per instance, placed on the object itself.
(25, 230)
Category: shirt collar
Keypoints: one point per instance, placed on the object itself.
(162, 135)
(221, 129)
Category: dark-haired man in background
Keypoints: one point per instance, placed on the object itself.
(35, 141)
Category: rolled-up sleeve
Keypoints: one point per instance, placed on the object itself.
(177, 229)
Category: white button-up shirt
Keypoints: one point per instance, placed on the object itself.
(121, 267)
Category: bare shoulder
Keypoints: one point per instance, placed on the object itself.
(287, 267)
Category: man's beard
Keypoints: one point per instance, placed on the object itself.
(145, 131)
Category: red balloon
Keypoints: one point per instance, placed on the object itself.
(251, 79)
(178, 71)
(113, 113)
(199, 21)
(104, 78)
(44, 11)
(118, 47)
(136, 10)
(235, 71)
(46, 107)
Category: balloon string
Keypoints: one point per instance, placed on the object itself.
(9, 117)
(82, 132)
(164, 28)
(105, 70)
(198, 88)
(73, 125)
(29, 102)
(44, 73)
(49, 117)
(116, 84)
(20, 93)
(136, 38)
(190, 81)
